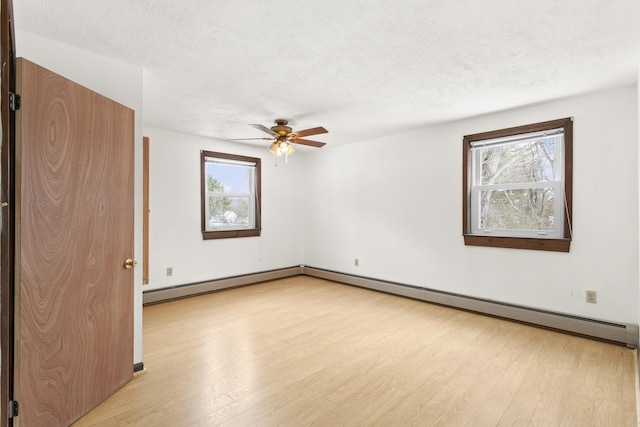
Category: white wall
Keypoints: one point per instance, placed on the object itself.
(118, 81)
(396, 204)
(174, 221)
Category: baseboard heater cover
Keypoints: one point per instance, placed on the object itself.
(610, 331)
(192, 289)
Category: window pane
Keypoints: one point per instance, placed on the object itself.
(517, 209)
(228, 178)
(229, 211)
(519, 162)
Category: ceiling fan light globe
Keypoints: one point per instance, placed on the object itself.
(286, 148)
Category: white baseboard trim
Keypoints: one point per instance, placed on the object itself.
(192, 289)
(627, 334)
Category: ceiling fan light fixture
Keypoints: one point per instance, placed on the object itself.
(285, 147)
(274, 149)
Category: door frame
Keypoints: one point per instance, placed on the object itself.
(145, 210)
(7, 196)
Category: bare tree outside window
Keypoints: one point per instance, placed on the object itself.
(519, 209)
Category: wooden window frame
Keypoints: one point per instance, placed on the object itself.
(226, 234)
(544, 244)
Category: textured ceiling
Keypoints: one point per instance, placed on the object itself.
(360, 68)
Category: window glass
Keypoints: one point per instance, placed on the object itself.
(522, 209)
(519, 161)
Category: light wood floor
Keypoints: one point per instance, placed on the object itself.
(303, 351)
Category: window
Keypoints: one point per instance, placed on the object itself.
(230, 188)
(517, 187)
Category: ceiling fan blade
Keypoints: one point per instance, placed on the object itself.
(308, 142)
(313, 131)
(264, 129)
(249, 139)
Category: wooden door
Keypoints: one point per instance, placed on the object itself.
(76, 210)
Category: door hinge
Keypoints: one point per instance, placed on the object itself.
(13, 408)
(14, 101)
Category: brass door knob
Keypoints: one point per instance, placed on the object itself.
(129, 263)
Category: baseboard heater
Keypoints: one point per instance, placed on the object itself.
(626, 334)
(192, 289)
(621, 333)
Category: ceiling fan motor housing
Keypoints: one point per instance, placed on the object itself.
(281, 127)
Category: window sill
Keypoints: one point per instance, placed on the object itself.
(209, 235)
(555, 245)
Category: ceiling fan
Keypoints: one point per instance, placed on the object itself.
(283, 136)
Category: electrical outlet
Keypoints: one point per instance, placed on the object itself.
(356, 262)
(169, 271)
(592, 297)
